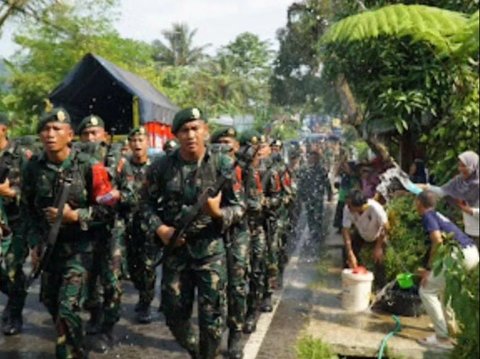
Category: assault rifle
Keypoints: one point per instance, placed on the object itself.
(47, 250)
(193, 213)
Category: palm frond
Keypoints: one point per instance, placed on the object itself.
(437, 26)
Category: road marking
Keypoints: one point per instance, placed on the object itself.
(254, 342)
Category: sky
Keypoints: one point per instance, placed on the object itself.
(217, 21)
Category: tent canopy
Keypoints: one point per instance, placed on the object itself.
(97, 86)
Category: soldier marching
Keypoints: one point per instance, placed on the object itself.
(215, 210)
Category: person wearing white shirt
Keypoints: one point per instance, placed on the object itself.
(370, 221)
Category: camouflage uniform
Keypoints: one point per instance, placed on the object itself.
(173, 185)
(314, 184)
(271, 184)
(141, 250)
(106, 266)
(63, 278)
(15, 246)
(258, 245)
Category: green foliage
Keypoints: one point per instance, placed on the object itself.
(51, 47)
(422, 23)
(310, 348)
(463, 294)
(178, 48)
(458, 130)
(406, 247)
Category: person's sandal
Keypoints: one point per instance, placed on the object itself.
(433, 342)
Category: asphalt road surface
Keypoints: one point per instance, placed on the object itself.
(275, 337)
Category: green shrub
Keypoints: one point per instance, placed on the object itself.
(406, 240)
(462, 290)
(310, 348)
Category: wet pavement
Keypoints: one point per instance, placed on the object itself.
(309, 305)
(359, 334)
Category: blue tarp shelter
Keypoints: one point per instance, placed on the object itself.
(123, 100)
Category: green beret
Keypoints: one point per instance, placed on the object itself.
(170, 145)
(58, 114)
(251, 137)
(4, 119)
(90, 121)
(223, 132)
(137, 131)
(184, 116)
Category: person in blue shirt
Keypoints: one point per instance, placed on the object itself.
(432, 286)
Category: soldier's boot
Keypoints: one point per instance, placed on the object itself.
(266, 306)
(94, 324)
(6, 314)
(14, 325)
(209, 348)
(234, 344)
(103, 341)
(143, 314)
(250, 322)
(280, 279)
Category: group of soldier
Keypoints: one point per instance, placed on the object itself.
(216, 210)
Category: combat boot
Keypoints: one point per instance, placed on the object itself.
(209, 348)
(234, 345)
(266, 306)
(95, 322)
(13, 325)
(250, 322)
(102, 342)
(143, 314)
(6, 314)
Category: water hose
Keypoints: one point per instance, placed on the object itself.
(397, 329)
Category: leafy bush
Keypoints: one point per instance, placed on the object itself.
(406, 248)
(463, 294)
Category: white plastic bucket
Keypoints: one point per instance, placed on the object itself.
(356, 289)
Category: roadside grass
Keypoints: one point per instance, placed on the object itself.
(309, 348)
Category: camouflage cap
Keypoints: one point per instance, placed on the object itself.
(170, 145)
(4, 119)
(223, 132)
(251, 137)
(90, 121)
(137, 131)
(186, 115)
(57, 114)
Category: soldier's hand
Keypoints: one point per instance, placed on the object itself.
(35, 256)
(212, 207)
(69, 215)
(165, 233)
(5, 190)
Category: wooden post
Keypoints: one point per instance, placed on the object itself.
(135, 112)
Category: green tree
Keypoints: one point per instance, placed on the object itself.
(49, 49)
(178, 47)
(408, 68)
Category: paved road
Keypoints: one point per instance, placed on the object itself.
(275, 338)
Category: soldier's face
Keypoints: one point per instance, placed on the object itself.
(231, 142)
(138, 145)
(275, 149)
(93, 134)
(264, 150)
(191, 137)
(55, 136)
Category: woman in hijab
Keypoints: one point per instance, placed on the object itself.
(464, 189)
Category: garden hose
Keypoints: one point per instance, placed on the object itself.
(397, 329)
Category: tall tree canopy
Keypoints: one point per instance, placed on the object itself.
(178, 48)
